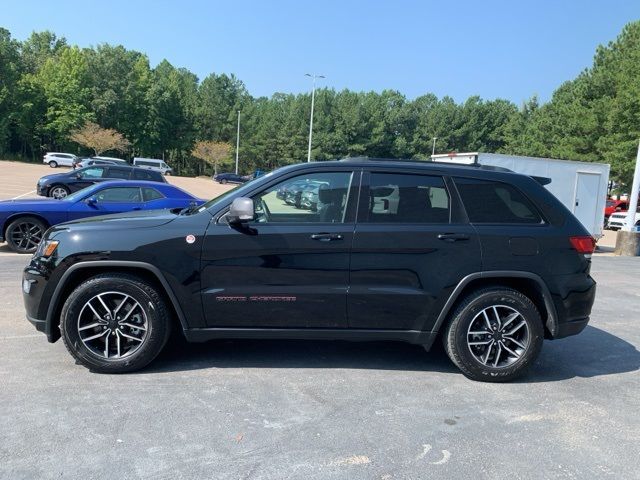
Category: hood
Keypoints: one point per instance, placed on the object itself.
(32, 204)
(52, 175)
(140, 219)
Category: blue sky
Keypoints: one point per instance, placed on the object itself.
(495, 49)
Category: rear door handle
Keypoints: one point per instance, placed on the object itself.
(453, 237)
(326, 237)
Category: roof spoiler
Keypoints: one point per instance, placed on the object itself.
(542, 180)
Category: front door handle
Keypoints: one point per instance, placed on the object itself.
(453, 237)
(326, 237)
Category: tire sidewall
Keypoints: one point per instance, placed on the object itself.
(157, 325)
(466, 315)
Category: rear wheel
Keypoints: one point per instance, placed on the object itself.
(114, 323)
(494, 335)
(53, 164)
(24, 234)
(58, 192)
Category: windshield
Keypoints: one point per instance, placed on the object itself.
(85, 192)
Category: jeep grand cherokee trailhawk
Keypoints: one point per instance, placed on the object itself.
(486, 261)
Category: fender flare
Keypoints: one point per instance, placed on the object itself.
(55, 298)
(552, 317)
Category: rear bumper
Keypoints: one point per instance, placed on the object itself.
(573, 327)
(574, 307)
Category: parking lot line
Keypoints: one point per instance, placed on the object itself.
(24, 195)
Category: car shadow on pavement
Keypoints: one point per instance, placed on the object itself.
(180, 356)
(593, 353)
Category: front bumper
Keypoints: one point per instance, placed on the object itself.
(36, 302)
(41, 190)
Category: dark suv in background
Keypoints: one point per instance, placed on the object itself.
(487, 261)
(60, 185)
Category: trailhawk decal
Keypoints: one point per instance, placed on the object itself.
(257, 298)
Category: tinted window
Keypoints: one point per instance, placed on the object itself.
(406, 198)
(495, 202)
(116, 172)
(140, 174)
(149, 194)
(91, 172)
(119, 195)
(310, 198)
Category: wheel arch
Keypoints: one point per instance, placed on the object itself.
(18, 215)
(82, 271)
(527, 283)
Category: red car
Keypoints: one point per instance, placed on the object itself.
(613, 206)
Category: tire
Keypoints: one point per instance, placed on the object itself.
(223, 181)
(23, 235)
(58, 192)
(145, 309)
(53, 164)
(478, 361)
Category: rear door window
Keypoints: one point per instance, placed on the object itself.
(141, 174)
(407, 198)
(495, 202)
(118, 172)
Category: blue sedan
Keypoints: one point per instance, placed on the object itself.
(23, 222)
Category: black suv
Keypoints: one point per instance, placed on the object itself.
(488, 261)
(59, 185)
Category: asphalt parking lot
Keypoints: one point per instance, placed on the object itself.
(276, 409)
(18, 180)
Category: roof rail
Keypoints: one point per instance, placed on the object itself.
(540, 180)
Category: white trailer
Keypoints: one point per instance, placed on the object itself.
(580, 186)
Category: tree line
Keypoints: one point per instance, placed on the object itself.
(50, 89)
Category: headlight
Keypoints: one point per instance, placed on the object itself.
(46, 248)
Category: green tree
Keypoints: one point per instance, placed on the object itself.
(9, 78)
(66, 84)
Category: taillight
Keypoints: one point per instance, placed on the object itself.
(583, 244)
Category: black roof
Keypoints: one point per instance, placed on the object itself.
(475, 167)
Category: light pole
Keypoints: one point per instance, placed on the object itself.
(313, 98)
(433, 150)
(238, 142)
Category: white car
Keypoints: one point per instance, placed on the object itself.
(617, 220)
(55, 159)
(153, 164)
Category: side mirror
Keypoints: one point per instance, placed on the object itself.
(241, 211)
(91, 201)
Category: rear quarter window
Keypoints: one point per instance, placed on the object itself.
(496, 202)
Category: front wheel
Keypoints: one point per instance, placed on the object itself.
(115, 323)
(494, 335)
(24, 234)
(223, 181)
(58, 192)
